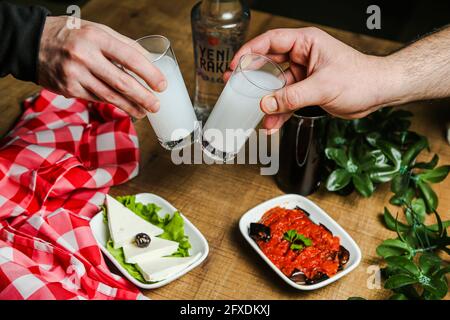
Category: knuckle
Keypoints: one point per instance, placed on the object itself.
(313, 31)
(274, 33)
(70, 71)
(89, 32)
(72, 88)
(122, 83)
(109, 96)
(291, 98)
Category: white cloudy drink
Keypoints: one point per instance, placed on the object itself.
(176, 117)
(175, 123)
(237, 111)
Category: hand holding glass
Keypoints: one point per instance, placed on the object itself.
(237, 111)
(175, 123)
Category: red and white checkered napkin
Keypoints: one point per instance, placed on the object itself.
(55, 167)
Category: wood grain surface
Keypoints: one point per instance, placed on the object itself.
(214, 197)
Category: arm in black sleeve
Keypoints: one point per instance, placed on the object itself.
(20, 33)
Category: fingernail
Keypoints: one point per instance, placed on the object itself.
(141, 115)
(162, 86)
(156, 107)
(270, 104)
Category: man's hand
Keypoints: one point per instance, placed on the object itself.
(322, 71)
(79, 63)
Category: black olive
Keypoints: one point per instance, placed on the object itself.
(326, 228)
(343, 255)
(298, 277)
(259, 232)
(319, 277)
(304, 211)
(142, 240)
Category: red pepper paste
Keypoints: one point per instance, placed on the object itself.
(319, 258)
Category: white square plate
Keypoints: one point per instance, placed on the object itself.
(198, 242)
(317, 215)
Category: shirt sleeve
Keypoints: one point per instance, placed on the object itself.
(20, 34)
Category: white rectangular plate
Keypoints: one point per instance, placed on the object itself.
(198, 242)
(317, 215)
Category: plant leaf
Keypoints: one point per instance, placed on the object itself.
(400, 182)
(363, 184)
(399, 280)
(337, 155)
(428, 195)
(419, 208)
(403, 198)
(427, 165)
(338, 180)
(434, 175)
(394, 247)
(382, 175)
(363, 125)
(390, 151)
(437, 287)
(399, 296)
(390, 222)
(410, 155)
(429, 263)
(404, 264)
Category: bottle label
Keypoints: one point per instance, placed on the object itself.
(213, 57)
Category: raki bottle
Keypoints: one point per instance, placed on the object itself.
(218, 30)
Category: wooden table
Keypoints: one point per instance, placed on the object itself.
(214, 197)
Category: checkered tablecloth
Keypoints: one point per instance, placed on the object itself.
(55, 167)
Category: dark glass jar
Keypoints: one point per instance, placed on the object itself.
(302, 151)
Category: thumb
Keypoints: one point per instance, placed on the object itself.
(305, 93)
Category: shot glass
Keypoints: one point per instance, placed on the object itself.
(237, 111)
(175, 123)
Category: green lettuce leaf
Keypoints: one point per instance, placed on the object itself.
(173, 227)
(120, 257)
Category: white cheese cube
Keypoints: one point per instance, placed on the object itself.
(162, 268)
(124, 224)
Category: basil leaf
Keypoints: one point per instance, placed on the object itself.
(429, 263)
(399, 280)
(429, 195)
(394, 247)
(434, 175)
(338, 180)
(290, 235)
(363, 184)
(404, 264)
(337, 155)
(427, 165)
(296, 246)
(391, 222)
